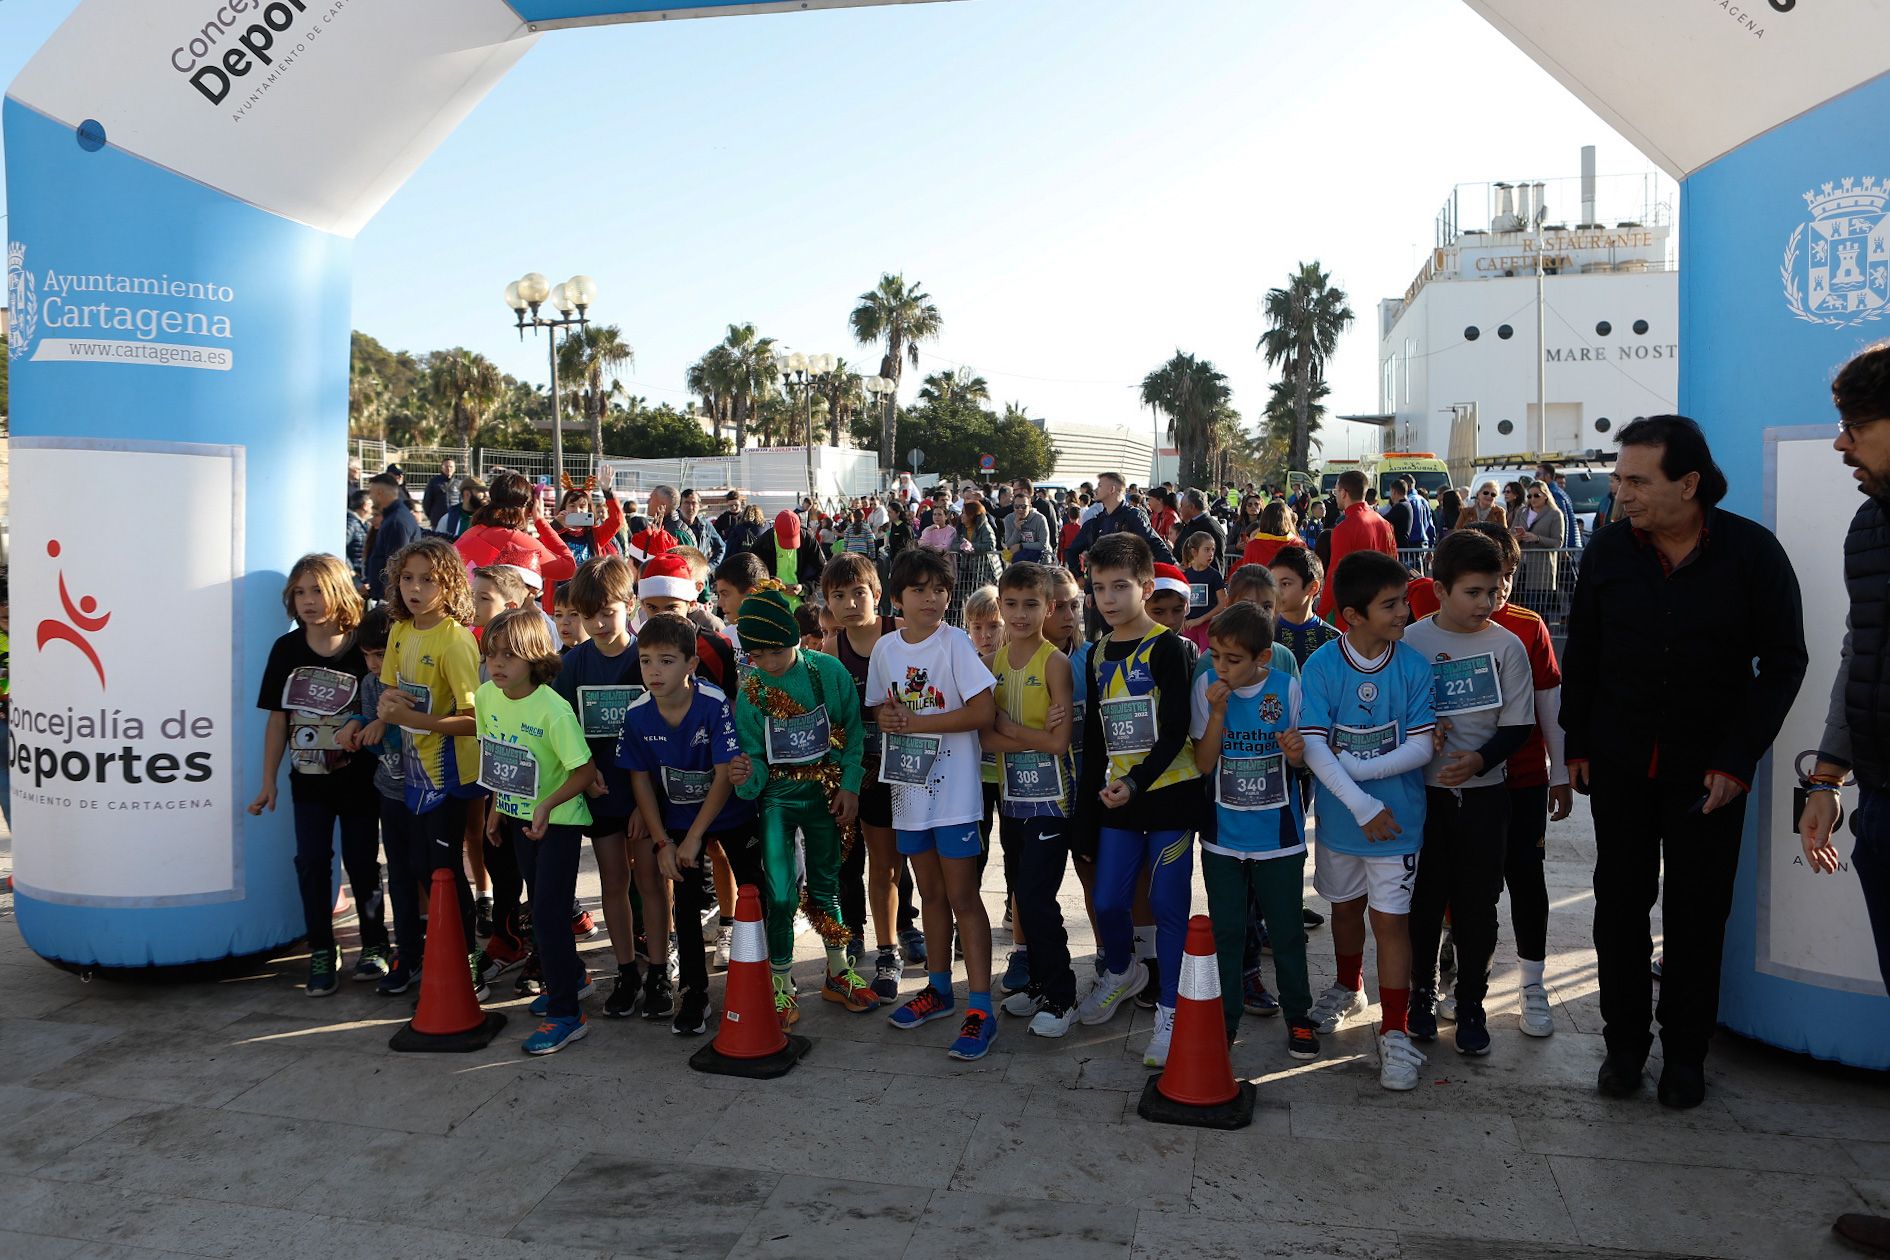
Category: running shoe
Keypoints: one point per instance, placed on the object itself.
(692, 1015)
(583, 926)
(849, 991)
(1149, 992)
(482, 915)
(724, 938)
(1052, 1020)
(324, 967)
(886, 973)
(1302, 1040)
(622, 1001)
(912, 943)
(1447, 953)
(1399, 1061)
(1533, 1015)
(659, 995)
(1023, 1004)
(856, 949)
(1113, 991)
(787, 1007)
(1473, 1033)
(398, 979)
(922, 1007)
(1016, 976)
(371, 965)
(555, 1034)
(531, 977)
(1421, 1018)
(1447, 1007)
(476, 963)
(1334, 1007)
(1311, 918)
(975, 1036)
(541, 1005)
(1157, 1053)
(1254, 998)
(499, 956)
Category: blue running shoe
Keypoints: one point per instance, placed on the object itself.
(397, 980)
(1254, 998)
(925, 1006)
(1421, 1017)
(1473, 1034)
(1016, 976)
(975, 1036)
(541, 1005)
(555, 1034)
(912, 944)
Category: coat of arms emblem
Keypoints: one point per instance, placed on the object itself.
(1837, 266)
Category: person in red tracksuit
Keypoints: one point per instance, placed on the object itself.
(1358, 529)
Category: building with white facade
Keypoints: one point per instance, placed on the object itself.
(1463, 370)
(1084, 450)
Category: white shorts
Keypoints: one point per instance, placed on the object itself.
(1385, 882)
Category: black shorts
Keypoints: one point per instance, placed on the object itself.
(607, 825)
(876, 804)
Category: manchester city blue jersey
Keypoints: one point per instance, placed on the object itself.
(1368, 712)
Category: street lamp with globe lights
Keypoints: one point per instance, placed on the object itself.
(572, 300)
(880, 389)
(809, 373)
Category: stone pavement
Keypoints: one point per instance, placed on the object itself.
(239, 1118)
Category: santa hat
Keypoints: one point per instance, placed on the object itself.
(525, 560)
(667, 577)
(650, 543)
(1168, 578)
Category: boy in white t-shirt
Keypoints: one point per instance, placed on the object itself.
(932, 695)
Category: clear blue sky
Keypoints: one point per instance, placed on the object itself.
(1082, 185)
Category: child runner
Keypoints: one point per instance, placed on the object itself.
(932, 696)
(678, 741)
(1168, 606)
(798, 719)
(735, 581)
(850, 587)
(496, 588)
(1064, 627)
(569, 620)
(1033, 683)
(1486, 707)
(1204, 587)
(534, 759)
(377, 739)
(1367, 718)
(985, 624)
(311, 690)
(431, 671)
(1297, 577)
(1139, 766)
(1246, 737)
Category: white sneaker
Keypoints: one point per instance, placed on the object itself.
(1447, 1007)
(1533, 1017)
(1334, 1006)
(723, 938)
(1024, 1003)
(1157, 1053)
(1400, 1061)
(1112, 992)
(1052, 1021)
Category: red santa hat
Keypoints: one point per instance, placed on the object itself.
(650, 543)
(518, 556)
(1168, 577)
(667, 577)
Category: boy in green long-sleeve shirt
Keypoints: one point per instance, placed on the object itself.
(797, 716)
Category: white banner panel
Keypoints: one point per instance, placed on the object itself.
(1689, 80)
(314, 109)
(121, 719)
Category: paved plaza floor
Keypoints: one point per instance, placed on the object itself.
(240, 1118)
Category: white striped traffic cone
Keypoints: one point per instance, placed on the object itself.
(1197, 1087)
(750, 1041)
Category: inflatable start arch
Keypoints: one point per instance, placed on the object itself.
(185, 177)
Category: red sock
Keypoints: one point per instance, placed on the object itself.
(1396, 1004)
(1352, 971)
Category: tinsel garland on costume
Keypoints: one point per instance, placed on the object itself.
(778, 704)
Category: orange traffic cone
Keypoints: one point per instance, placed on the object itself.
(750, 1041)
(448, 1016)
(1198, 1086)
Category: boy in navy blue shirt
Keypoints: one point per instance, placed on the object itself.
(678, 741)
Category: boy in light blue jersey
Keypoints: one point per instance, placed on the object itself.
(1367, 717)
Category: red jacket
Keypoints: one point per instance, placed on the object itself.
(1360, 529)
(538, 548)
(1261, 549)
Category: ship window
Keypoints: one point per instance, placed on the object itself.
(1472, 333)
(1506, 332)
(1505, 427)
(1640, 328)
(1603, 328)
(1603, 425)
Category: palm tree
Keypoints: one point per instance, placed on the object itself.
(1192, 393)
(1304, 320)
(1017, 411)
(1282, 412)
(959, 385)
(902, 315)
(711, 378)
(468, 384)
(587, 357)
(749, 361)
(846, 393)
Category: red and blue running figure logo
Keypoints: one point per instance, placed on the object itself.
(83, 621)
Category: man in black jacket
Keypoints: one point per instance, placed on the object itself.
(1192, 510)
(1117, 514)
(1857, 725)
(395, 529)
(1686, 647)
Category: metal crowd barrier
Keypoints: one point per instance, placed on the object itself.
(1544, 584)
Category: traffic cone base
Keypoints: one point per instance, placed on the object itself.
(749, 1042)
(1197, 1087)
(447, 1017)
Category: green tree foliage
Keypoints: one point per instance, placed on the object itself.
(1193, 394)
(953, 434)
(1304, 319)
(902, 315)
(589, 360)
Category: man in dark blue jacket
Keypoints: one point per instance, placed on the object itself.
(396, 529)
(1116, 515)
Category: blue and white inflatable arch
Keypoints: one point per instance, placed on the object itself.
(185, 178)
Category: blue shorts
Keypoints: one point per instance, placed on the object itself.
(960, 841)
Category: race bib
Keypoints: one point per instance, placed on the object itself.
(796, 741)
(1197, 594)
(906, 760)
(422, 697)
(508, 769)
(601, 709)
(322, 692)
(1128, 725)
(1251, 783)
(1365, 742)
(1469, 685)
(1033, 777)
(687, 787)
